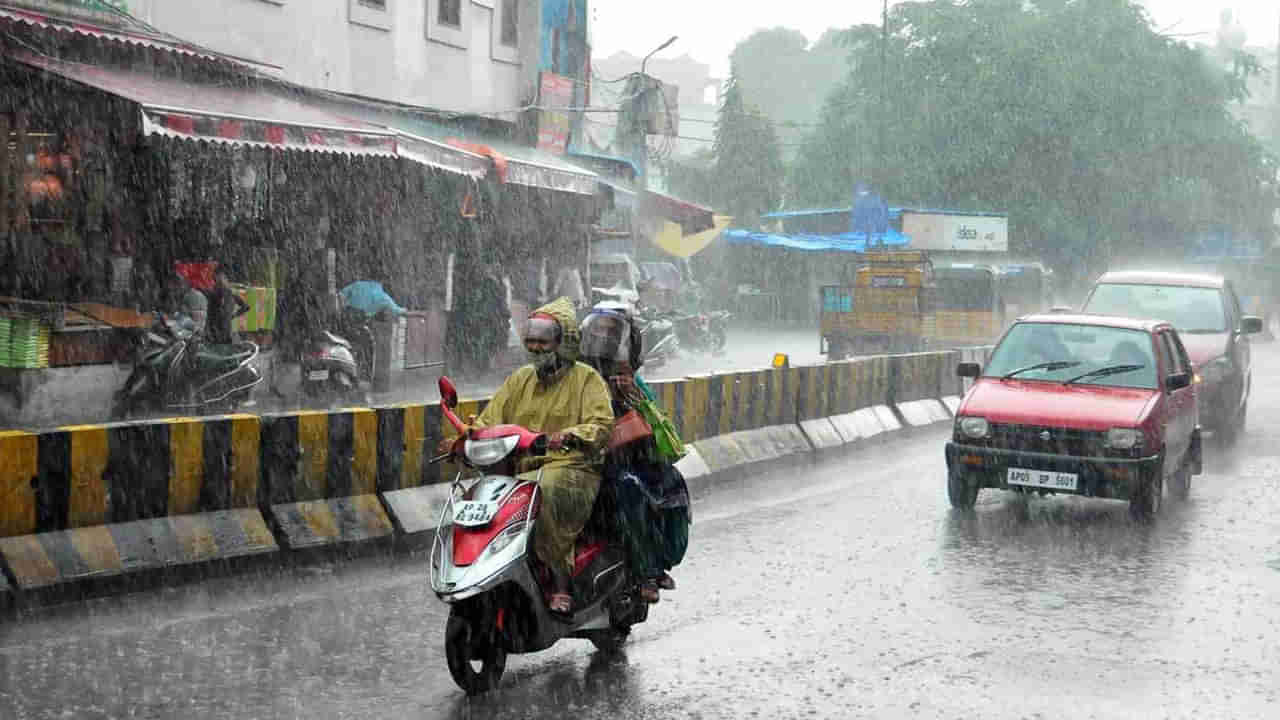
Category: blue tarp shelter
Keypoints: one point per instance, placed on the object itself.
(843, 242)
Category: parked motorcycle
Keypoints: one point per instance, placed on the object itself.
(498, 591)
(704, 332)
(661, 343)
(174, 370)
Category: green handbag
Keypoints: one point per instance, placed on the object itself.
(670, 446)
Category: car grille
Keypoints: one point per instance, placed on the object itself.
(1061, 441)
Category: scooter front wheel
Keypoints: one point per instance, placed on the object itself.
(609, 641)
(475, 661)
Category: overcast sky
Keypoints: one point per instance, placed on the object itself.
(709, 29)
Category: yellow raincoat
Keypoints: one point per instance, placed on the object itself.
(575, 402)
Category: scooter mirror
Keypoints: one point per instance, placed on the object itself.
(448, 393)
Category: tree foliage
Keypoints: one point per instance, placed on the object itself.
(780, 73)
(1100, 137)
(748, 159)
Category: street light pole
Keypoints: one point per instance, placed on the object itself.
(657, 50)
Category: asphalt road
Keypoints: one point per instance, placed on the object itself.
(845, 588)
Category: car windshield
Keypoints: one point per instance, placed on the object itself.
(1085, 354)
(1189, 309)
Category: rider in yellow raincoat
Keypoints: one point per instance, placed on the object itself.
(557, 395)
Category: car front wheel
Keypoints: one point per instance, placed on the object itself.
(962, 489)
(1145, 502)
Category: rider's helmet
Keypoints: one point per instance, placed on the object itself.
(606, 336)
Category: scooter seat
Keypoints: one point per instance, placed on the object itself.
(336, 340)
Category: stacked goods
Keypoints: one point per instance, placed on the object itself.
(24, 343)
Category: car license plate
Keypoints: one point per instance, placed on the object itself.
(318, 375)
(1043, 479)
(473, 513)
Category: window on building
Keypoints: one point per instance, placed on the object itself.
(449, 12)
(510, 23)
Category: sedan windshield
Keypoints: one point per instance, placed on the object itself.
(1076, 354)
(1189, 309)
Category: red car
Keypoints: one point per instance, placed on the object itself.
(1081, 404)
(1206, 312)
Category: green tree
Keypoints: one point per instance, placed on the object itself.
(1101, 138)
(748, 159)
(693, 177)
(785, 77)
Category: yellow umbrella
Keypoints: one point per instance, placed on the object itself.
(673, 241)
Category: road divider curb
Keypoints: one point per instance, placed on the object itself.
(95, 501)
(922, 413)
(54, 558)
(417, 510)
(822, 434)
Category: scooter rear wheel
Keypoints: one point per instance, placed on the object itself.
(475, 663)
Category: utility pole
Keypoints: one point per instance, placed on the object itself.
(883, 164)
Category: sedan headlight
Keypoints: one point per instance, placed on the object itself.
(975, 427)
(1216, 371)
(1123, 438)
(489, 452)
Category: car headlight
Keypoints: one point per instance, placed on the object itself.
(488, 452)
(1123, 438)
(1216, 371)
(504, 539)
(975, 427)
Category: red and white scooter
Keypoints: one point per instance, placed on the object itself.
(482, 562)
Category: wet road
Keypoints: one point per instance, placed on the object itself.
(847, 590)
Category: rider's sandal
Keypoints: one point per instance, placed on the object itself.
(561, 607)
(666, 582)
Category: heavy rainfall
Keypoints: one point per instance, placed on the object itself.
(549, 358)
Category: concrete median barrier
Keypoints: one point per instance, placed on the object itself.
(96, 501)
(320, 477)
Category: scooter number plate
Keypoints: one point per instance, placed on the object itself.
(473, 513)
(318, 375)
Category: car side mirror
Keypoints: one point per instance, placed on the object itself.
(1250, 325)
(968, 370)
(1177, 381)
(448, 393)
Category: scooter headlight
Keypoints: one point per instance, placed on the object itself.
(504, 539)
(490, 452)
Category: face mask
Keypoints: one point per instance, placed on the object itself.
(544, 361)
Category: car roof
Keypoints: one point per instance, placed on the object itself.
(1115, 321)
(1141, 277)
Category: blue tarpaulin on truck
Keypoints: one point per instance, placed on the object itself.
(843, 242)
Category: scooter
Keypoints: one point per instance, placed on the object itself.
(173, 370)
(483, 567)
(329, 368)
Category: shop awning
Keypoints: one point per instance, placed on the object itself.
(536, 168)
(673, 241)
(692, 218)
(47, 22)
(214, 113)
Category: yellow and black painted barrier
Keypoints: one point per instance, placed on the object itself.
(94, 501)
(320, 477)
